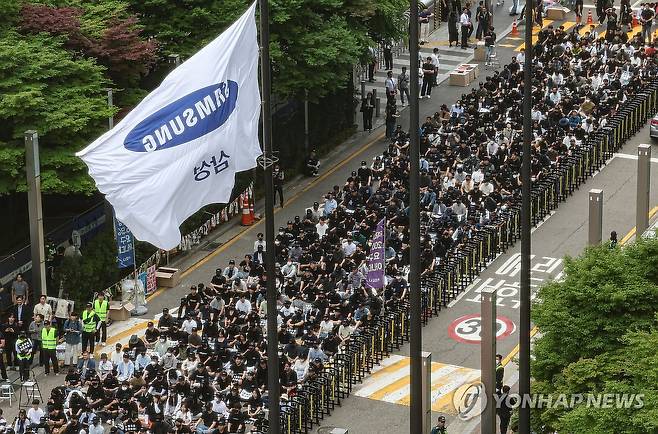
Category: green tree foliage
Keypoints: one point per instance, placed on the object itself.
(314, 44)
(47, 88)
(598, 335)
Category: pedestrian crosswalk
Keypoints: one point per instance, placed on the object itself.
(449, 58)
(515, 41)
(390, 382)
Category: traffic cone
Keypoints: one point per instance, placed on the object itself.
(251, 205)
(635, 23)
(589, 17)
(515, 30)
(247, 220)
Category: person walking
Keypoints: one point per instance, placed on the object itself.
(453, 33)
(90, 321)
(403, 84)
(72, 339)
(49, 347)
(428, 79)
(277, 177)
(372, 62)
(504, 409)
(23, 348)
(367, 109)
(489, 44)
(101, 307)
(465, 23)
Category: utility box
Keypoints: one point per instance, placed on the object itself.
(167, 277)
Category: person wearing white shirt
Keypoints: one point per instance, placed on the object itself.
(125, 369)
(435, 62)
(555, 96)
(259, 242)
(459, 209)
(289, 270)
(243, 305)
(492, 148)
(117, 355)
(391, 86)
(219, 406)
(520, 58)
(465, 22)
(326, 326)
(188, 325)
(34, 414)
(322, 227)
(44, 309)
(104, 366)
(486, 187)
(557, 78)
(330, 205)
(349, 247)
(477, 176)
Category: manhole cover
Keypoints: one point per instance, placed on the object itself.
(212, 246)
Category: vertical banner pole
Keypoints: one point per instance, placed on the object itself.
(273, 391)
(415, 332)
(524, 326)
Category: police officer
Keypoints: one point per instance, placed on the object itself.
(500, 372)
(24, 355)
(440, 427)
(90, 321)
(101, 307)
(49, 347)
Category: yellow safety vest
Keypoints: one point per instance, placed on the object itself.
(101, 309)
(24, 349)
(49, 339)
(88, 326)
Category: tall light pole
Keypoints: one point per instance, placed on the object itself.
(415, 330)
(266, 161)
(524, 327)
(37, 244)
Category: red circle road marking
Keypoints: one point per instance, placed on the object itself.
(467, 328)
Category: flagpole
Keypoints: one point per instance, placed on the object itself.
(416, 411)
(267, 161)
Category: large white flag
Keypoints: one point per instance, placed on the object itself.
(180, 148)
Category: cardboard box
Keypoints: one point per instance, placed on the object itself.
(557, 13)
(167, 277)
(119, 311)
(474, 69)
(480, 52)
(460, 78)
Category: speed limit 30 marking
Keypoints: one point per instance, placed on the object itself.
(468, 328)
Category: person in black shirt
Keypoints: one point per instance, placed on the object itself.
(236, 420)
(278, 179)
(208, 421)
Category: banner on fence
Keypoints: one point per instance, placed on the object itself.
(125, 245)
(376, 264)
(151, 281)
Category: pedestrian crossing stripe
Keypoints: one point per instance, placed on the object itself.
(506, 45)
(390, 382)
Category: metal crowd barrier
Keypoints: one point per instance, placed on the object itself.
(319, 396)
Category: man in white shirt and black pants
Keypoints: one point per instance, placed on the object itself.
(465, 22)
(391, 87)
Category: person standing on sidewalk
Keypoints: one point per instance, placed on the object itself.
(278, 177)
(101, 307)
(489, 43)
(428, 79)
(403, 84)
(391, 87)
(72, 338)
(646, 19)
(391, 118)
(482, 17)
(49, 347)
(500, 372)
(388, 55)
(34, 331)
(453, 33)
(90, 321)
(23, 348)
(465, 23)
(366, 109)
(435, 63)
(3, 368)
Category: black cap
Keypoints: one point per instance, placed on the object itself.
(289, 222)
(315, 203)
(231, 262)
(89, 305)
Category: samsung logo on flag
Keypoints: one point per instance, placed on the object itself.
(185, 119)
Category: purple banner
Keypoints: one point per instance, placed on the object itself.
(376, 260)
